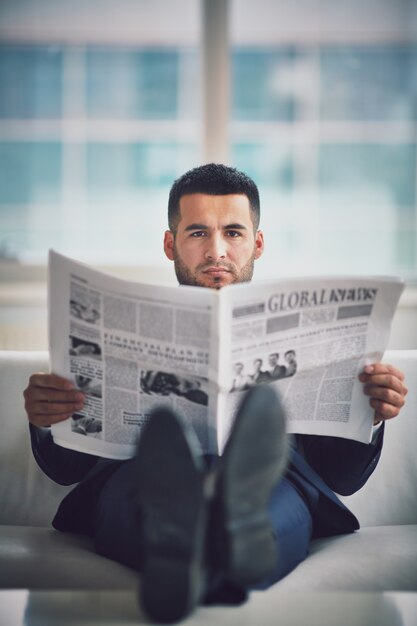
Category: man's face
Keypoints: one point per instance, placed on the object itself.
(273, 360)
(290, 357)
(215, 243)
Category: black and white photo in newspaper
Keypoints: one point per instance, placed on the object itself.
(309, 338)
(130, 348)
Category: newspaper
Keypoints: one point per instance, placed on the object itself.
(132, 347)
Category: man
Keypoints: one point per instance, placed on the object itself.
(207, 530)
(291, 363)
(276, 371)
(240, 381)
(259, 375)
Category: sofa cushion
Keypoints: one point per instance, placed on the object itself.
(374, 558)
(53, 560)
(378, 558)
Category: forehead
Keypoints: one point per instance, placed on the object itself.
(214, 210)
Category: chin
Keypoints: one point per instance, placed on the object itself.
(219, 282)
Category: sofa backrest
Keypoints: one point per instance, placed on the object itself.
(28, 497)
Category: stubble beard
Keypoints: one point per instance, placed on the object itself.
(187, 277)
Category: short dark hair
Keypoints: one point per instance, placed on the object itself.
(213, 179)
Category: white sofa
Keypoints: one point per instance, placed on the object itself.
(380, 556)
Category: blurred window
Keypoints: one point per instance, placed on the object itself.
(95, 123)
(368, 83)
(324, 111)
(94, 130)
(132, 84)
(30, 82)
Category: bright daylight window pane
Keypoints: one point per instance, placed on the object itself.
(30, 82)
(132, 178)
(94, 126)
(368, 83)
(324, 110)
(131, 84)
(254, 94)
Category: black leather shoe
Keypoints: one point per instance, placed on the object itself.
(173, 504)
(251, 465)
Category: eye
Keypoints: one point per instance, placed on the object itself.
(233, 233)
(198, 233)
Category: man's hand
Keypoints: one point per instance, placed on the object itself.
(50, 399)
(385, 386)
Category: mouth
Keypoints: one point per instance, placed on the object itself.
(216, 272)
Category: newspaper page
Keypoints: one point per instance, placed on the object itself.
(309, 338)
(130, 347)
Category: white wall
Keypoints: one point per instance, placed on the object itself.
(322, 20)
(130, 21)
(149, 20)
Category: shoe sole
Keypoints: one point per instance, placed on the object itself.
(248, 475)
(171, 496)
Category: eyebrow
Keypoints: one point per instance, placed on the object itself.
(235, 226)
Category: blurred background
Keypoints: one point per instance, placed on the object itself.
(103, 103)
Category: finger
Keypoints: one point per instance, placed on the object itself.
(39, 394)
(56, 408)
(48, 420)
(387, 381)
(47, 402)
(52, 381)
(383, 410)
(382, 368)
(386, 395)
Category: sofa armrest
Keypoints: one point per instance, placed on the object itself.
(388, 498)
(27, 496)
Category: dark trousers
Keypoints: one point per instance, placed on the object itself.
(117, 524)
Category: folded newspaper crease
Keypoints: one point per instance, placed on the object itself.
(131, 347)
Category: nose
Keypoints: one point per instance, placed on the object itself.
(216, 248)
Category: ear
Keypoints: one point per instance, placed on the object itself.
(169, 244)
(259, 244)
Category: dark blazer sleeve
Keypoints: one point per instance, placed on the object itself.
(343, 464)
(62, 465)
